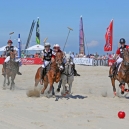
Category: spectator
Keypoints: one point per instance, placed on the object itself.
(36, 55)
(96, 55)
(72, 55)
(76, 56)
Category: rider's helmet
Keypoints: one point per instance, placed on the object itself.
(9, 41)
(47, 45)
(122, 41)
(56, 47)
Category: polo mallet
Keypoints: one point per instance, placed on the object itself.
(11, 34)
(45, 40)
(67, 36)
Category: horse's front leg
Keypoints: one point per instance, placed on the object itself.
(45, 87)
(70, 81)
(113, 85)
(8, 81)
(64, 82)
(12, 81)
(4, 83)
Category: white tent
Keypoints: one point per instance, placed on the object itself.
(3, 48)
(36, 47)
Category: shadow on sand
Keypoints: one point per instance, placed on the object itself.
(70, 97)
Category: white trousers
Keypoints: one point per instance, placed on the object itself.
(45, 63)
(8, 58)
(119, 60)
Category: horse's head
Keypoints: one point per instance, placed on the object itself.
(12, 56)
(68, 58)
(126, 57)
(59, 58)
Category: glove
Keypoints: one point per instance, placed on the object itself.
(71, 63)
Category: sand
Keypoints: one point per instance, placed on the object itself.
(91, 105)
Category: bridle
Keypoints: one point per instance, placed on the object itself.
(68, 63)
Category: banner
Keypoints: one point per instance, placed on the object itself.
(81, 38)
(110, 62)
(30, 34)
(31, 61)
(83, 61)
(109, 37)
(37, 33)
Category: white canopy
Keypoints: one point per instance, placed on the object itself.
(36, 47)
(3, 48)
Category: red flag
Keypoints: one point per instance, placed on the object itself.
(109, 37)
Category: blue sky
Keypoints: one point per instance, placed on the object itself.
(56, 15)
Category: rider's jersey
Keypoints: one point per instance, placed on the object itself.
(120, 50)
(48, 55)
(8, 49)
(54, 53)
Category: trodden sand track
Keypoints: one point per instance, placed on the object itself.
(91, 105)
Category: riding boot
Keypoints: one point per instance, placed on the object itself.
(18, 69)
(114, 66)
(4, 69)
(42, 72)
(75, 71)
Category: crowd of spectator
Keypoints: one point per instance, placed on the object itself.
(94, 56)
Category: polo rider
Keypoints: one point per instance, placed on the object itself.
(47, 57)
(119, 55)
(10, 48)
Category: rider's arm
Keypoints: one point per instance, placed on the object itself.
(117, 53)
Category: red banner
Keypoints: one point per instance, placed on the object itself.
(110, 62)
(109, 37)
(27, 61)
(31, 61)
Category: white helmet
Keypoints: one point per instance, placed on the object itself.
(56, 45)
(47, 44)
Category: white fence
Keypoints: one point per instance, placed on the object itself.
(91, 62)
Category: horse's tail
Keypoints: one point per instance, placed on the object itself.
(38, 76)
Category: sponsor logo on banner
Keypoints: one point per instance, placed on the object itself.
(110, 62)
(27, 61)
(83, 61)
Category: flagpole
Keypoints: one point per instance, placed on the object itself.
(112, 33)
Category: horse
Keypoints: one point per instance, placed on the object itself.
(53, 74)
(10, 71)
(67, 76)
(122, 74)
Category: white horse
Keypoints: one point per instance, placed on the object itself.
(67, 76)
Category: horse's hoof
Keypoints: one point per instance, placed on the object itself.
(53, 96)
(48, 92)
(58, 90)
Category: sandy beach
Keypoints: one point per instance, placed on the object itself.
(87, 108)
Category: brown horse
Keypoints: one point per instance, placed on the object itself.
(53, 75)
(122, 75)
(10, 71)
